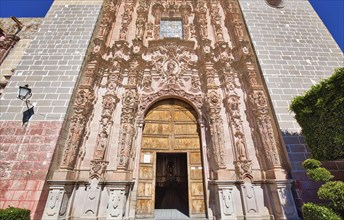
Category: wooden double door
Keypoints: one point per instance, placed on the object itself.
(171, 171)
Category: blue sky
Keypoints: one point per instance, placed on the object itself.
(330, 11)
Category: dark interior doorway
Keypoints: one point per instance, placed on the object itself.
(171, 189)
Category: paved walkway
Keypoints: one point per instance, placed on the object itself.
(169, 214)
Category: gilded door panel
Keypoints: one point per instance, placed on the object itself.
(158, 128)
(156, 142)
(195, 157)
(197, 206)
(144, 189)
(196, 173)
(184, 116)
(146, 172)
(186, 143)
(145, 206)
(185, 128)
(159, 115)
(197, 189)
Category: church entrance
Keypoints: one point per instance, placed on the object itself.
(171, 170)
(171, 189)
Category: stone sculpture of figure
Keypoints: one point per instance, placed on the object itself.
(238, 31)
(102, 142)
(241, 148)
(139, 29)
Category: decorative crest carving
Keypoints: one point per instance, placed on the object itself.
(98, 168)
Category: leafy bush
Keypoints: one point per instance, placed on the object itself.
(319, 174)
(320, 112)
(12, 213)
(333, 191)
(311, 164)
(317, 212)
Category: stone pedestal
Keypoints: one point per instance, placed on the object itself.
(117, 202)
(57, 203)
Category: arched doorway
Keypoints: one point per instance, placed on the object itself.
(171, 170)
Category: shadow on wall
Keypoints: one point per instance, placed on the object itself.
(305, 189)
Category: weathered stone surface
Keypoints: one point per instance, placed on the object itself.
(26, 154)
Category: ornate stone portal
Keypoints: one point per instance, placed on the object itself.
(106, 162)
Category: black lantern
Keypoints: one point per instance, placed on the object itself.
(24, 95)
(24, 92)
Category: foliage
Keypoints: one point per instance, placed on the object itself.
(317, 212)
(14, 213)
(311, 163)
(333, 191)
(319, 174)
(320, 112)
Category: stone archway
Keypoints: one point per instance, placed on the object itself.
(170, 131)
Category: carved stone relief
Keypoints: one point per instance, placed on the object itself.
(92, 198)
(129, 109)
(116, 204)
(250, 200)
(227, 202)
(54, 203)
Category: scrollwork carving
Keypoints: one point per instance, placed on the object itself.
(98, 168)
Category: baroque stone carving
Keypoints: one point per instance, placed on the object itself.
(92, 198)
(147, 99)
(243, 168)
(216, 127)
(54, 202)
(227, 202)
(201, 16)
(98, 168)
(116, 204)
(130, 105)
(126, 18)
(250, 198)
(75, 132)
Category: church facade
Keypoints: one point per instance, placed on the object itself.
(155, 105)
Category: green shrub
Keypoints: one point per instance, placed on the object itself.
(320, 112)
(319, 174)
(333, 191)
(317, 212)
(311, 164)
(12, 213)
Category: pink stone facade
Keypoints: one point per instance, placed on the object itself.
(26, 153)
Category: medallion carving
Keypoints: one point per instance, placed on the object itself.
(98, 168)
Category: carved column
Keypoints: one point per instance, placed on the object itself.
(201, 19)
(129, 109)
(83, 102)
(157, 11)
(185, 11)
(142, 13)
(257, 100)
(216, 21)
(126, 18)
(213, 103)
(265, 133)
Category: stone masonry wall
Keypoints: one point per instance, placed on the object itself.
(51, 66)
(10, 63)
(295, 51)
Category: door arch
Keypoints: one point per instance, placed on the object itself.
(170, 129)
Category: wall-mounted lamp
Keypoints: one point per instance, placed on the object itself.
(24, 94)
